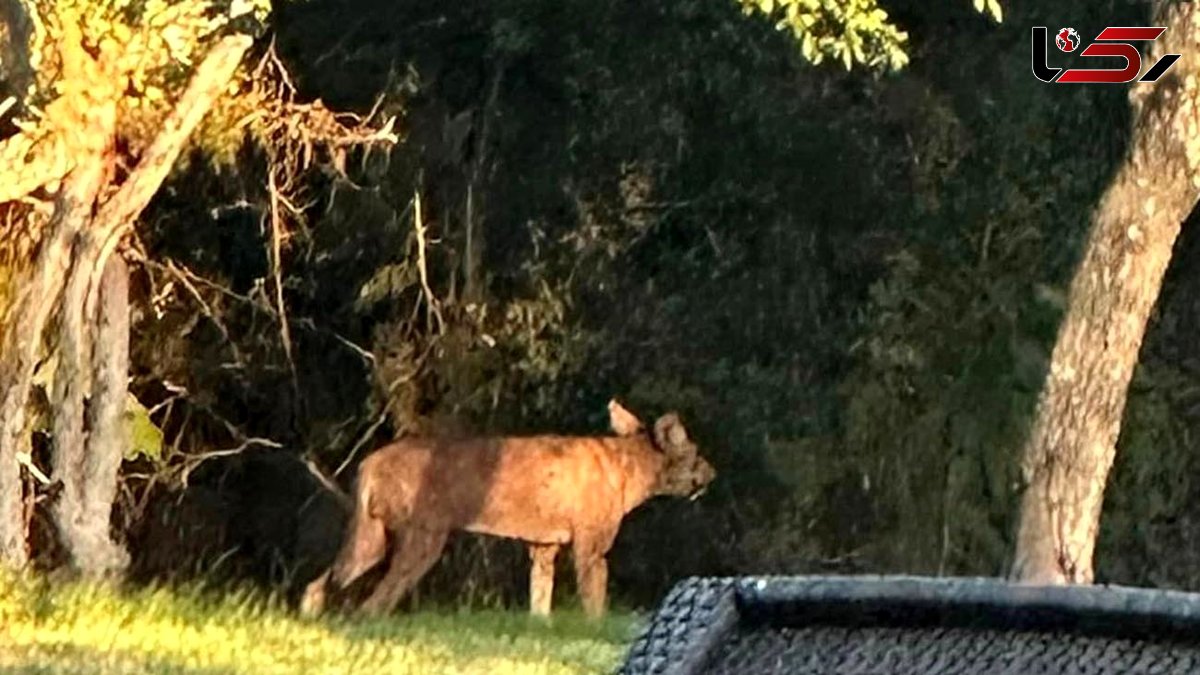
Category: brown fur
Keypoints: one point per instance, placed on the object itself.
(548, 491)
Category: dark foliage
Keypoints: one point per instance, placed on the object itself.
(847, 284)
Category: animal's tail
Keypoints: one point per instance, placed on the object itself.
(380, 495)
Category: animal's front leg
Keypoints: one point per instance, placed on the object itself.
(415, 552)
(541, 578)
(591, 569)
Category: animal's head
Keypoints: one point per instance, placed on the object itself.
(685, 473)
(365, 543)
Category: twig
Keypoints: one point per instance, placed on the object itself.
(193, 462)
(26, 460)
(474, 230)
(340, 44)
(189, 280)
(182, 274)
(370, 432)
(208, 311)
(422, 267)
(187, 418)
(308, 324)
(362, 440)
(285, 334)
(366, 355)
(143, 501)
(118, 215)
(165, 403)
(177, 270)
(343, 498)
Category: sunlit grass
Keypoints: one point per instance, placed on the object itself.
(80, 628)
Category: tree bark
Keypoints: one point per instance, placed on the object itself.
(37, 291)
(91, 385)
(1072, 442)
(109, 434)
(39, 288)
(90, 116)
(97, 298)
(68, 398)
(94, 552)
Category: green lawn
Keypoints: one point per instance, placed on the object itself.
(79, 628)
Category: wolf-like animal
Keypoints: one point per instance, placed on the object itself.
(547, 491)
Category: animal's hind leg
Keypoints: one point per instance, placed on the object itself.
(592, 578)
(312, 603)
(416, 550)
(541, 578)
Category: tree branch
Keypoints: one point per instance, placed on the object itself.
(118, 214)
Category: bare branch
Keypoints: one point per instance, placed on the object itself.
(26, 460)
(366, 356)
(193, 462)
(422, 267)
(117, 215)
(362, 441)
(329, 484)
(285, 334)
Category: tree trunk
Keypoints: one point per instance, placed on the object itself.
(91, 384)
(37, 292)
(38, 289)
(87, 468)
(68, 398)
(1073, 439)
(108, 435)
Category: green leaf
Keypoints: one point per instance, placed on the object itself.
(145, 438)
(856, 32)
(808, 48)
(995, 10)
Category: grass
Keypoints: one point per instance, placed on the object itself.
(84, 628)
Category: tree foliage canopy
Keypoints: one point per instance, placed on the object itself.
(849, 31)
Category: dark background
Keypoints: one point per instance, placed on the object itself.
(846, 283)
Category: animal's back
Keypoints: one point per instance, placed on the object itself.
(534, 488)
(544, 487)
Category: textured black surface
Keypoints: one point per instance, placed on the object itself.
(681, 635)
(916, 625)
(886, 649)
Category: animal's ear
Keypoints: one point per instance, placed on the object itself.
(623, 422)
(670, 434)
